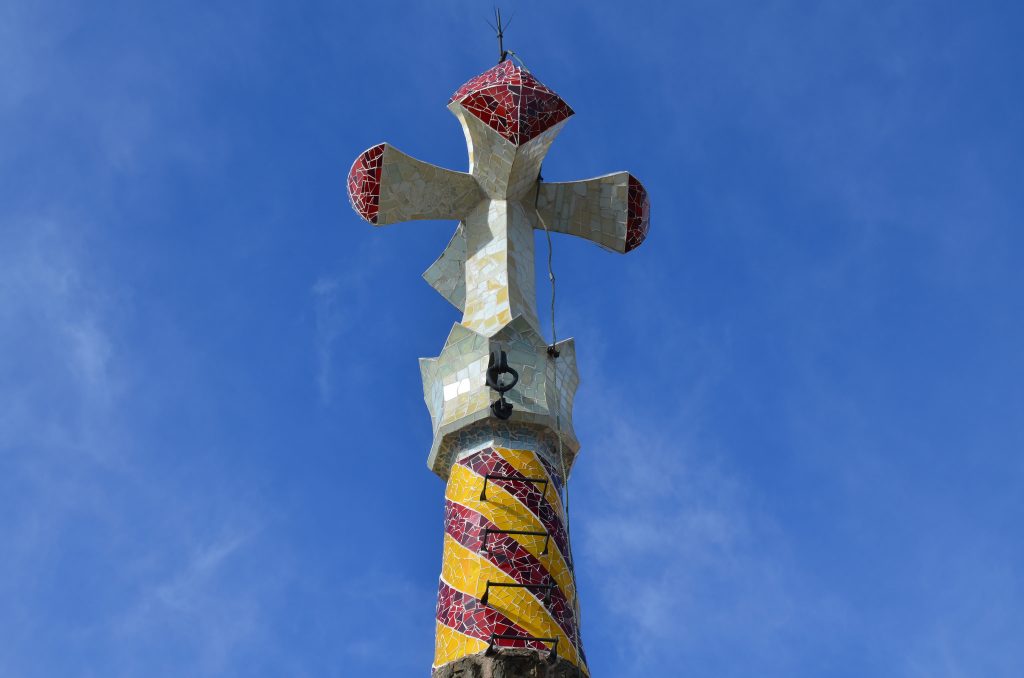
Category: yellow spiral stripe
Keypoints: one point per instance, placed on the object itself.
(449, 645)
(527, 463)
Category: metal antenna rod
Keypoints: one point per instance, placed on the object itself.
(499, 29)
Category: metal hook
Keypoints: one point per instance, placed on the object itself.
(497, 366)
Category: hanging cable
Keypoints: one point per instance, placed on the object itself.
(552, 350)
(522, 64)
(553, 354)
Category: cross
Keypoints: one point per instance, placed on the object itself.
(510, 120)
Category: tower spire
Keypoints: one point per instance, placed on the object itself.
(503, 446)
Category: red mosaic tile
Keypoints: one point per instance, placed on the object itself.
(364, 183)
(638, 219)
(512, 102)
(467, 615)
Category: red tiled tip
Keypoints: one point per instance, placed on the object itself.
(638, 218)
(512, 102)
(364, 183)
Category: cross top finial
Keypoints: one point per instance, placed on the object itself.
(510, 119)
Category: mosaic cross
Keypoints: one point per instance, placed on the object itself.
(507, 570)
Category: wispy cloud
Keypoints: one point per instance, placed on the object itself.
(197, 604)
(395, 607)
(330, 324)
(339, 300)
(673, 543)
(679, 556)
(163, 587)
(61, 428)
(59, 372)
(180, 591)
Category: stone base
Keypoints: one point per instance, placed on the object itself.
(509, 663)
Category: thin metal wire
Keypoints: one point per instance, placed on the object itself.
(552, 351)
(553, 355)
(515, 56)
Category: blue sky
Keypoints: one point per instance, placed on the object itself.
(802, 410)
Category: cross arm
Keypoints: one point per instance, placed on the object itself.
(387, 186)
(612, 211)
